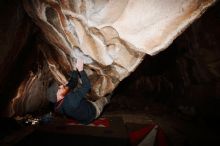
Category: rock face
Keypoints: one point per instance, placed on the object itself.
(185, 77)
(111, 36)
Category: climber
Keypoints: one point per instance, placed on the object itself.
(72, 101)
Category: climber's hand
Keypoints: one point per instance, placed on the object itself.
(79, 65)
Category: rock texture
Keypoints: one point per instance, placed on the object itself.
(111, 36)
(186, 76)
(15, 38)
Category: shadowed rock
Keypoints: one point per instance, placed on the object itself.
(112, 37)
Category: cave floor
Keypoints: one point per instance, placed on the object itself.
(180, 129)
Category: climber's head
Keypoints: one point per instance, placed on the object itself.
(62, 91)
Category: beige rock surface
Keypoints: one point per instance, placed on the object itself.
(111, 36)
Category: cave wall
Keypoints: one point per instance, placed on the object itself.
(14, 33)
(18, 50)
(23, 72)
(111, 40)
(187, 74)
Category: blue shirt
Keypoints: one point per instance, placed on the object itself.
(74, 104)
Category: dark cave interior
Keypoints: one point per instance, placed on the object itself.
(178, 88)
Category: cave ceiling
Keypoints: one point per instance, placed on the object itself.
(111, 36)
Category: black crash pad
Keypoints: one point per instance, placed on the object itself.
(59, 132)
